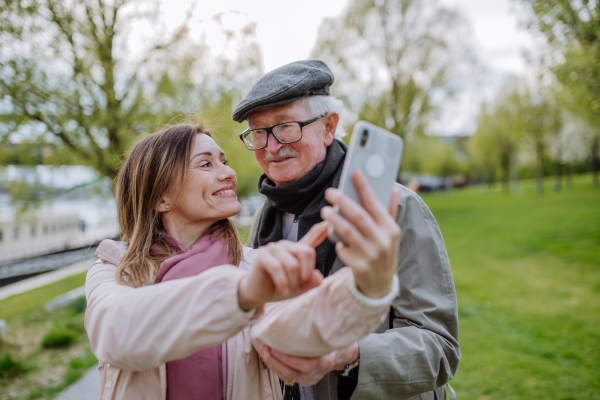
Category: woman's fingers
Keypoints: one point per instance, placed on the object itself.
(313, 281)
(296, 260)
(316, 235)
(307, 256)
(273, 267)
(289, 263)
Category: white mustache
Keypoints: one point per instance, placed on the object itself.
(283, 152)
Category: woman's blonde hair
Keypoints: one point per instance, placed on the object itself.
(156, 165)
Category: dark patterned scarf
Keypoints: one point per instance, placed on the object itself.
(304, 198)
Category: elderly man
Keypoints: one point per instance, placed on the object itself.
(292, 122)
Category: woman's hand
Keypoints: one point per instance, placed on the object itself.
(370, 236)
(282, 270)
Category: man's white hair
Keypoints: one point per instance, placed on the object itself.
(317, 105)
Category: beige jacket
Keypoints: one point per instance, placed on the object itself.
(134, 331)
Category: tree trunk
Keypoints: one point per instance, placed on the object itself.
(595, 161)
(515, 171)
(557, 176)
(505, 165)
(539, 176)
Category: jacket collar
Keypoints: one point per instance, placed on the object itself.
(112, 251)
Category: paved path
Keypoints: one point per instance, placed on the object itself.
(44, 279)
(86, 388)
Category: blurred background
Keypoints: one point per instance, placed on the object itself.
(498, 103)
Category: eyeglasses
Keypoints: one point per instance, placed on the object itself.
(285, 133)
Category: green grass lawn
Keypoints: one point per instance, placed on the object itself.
(527, 275)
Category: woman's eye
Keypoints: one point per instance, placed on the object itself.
(204, 164)
(224, 162)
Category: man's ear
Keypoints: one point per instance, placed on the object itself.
(331, 122)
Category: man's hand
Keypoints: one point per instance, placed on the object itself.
(307, 371)
(370, 236)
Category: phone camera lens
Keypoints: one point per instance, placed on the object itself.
(364, 137)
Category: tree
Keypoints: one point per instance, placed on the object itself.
(394, 59)
(572, 29)
(94, 75)
(541, 120)
(494, 144)
(519, 117)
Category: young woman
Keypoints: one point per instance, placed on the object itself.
(176, 309)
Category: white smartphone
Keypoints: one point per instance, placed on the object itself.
(377, 153)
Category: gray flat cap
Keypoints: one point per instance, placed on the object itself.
(284, 85)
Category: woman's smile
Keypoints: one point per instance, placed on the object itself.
(227, 191)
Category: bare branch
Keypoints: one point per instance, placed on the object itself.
(179, 35)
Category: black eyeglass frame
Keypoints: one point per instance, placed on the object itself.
(302, 124)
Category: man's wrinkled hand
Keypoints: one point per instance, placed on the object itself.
(369, 233)
(307, 371)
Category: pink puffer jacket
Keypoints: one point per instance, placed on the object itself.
(134, 331)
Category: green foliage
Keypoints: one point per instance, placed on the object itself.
(389, 57)
(10, 367)
(430, 155)
(78, 366)
(48, 371)
(28, 195)
(496, 139)
(58, 338)
(519, 119)
(67, 73)
(35, 153)
(572, 27)
(573, 32)
(525, 269)
(78, 305)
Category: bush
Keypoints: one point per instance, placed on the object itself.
(9, 367)
(58, 338)
(78, 305)
(78, 367)
(75, 327)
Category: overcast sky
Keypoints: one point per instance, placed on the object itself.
(286, 32)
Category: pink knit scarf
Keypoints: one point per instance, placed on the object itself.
(201, 375)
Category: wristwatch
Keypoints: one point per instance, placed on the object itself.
(351, 370)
